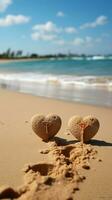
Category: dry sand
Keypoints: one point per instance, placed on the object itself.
(21, 60)
(20, 146)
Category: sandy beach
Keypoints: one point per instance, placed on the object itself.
(19, 145)
(22, 60)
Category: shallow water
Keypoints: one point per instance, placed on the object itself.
(84, 80)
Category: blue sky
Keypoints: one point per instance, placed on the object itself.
(52, 26)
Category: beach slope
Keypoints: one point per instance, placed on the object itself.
(20, 146)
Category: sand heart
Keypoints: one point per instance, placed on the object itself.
(83, 128)
(46, 126)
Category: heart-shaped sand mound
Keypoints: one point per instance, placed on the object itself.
(46, 126)
(83, 128)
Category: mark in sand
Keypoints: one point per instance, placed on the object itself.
(48, 180)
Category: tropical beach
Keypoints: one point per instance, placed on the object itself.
(55, 100)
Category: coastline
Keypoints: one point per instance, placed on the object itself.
(19, 145)
(35, 76)
(22, 60)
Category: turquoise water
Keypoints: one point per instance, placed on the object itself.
(62, 67)
(87, 80)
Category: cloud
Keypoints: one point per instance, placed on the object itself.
(4, 4)
(47, 27)
(85, 41)
(46, 32)
(50, 27)
(78, 41)
(42, 36)
(60, 14)
(52, 33)
(100, 21)
(13, 20)
(49, 31)
(70, 30)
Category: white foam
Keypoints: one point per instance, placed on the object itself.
(88, 58)
(98, 57)
(60, 80)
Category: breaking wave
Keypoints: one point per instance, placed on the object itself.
(27, 78)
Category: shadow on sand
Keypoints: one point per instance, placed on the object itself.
(94, 142)
(100, 143)
(61, 141)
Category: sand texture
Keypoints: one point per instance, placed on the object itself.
(47, 180)
(60, 169)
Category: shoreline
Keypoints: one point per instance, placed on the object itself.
(22, 60)
(79, 103)
(20, 146)
(28, 78)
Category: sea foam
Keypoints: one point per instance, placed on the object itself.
(60, 80)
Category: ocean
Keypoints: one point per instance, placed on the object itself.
(78, 79)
